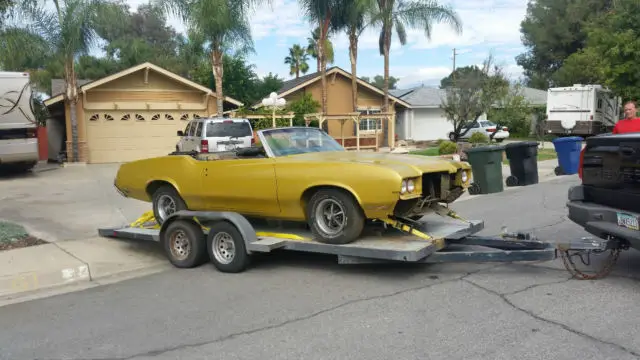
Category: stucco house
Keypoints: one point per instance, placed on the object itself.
(339, 102)
(425, 120)
(129, 115)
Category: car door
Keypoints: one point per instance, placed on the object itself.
(246, 186)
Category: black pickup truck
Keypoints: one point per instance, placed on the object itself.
(607, 202)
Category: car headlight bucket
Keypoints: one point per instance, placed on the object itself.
(411, 186)
(403, 187)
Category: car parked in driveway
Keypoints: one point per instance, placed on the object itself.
(485, 127)
(205, 135)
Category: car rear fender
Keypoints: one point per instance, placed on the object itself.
(153, 185)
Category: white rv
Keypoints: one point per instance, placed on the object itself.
(581, 110)
(18, 127)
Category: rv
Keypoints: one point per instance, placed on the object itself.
(581, 110)
(18, 127)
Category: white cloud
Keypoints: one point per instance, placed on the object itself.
(485, 22)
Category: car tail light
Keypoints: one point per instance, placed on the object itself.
(204, 146)
(253, 140)
(491, 130)
(581, 163)
(504, 128)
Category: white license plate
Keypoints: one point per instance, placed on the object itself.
(628, 221)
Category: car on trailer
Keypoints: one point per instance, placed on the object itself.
(298, 174)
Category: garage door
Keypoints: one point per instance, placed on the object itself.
(127, 136)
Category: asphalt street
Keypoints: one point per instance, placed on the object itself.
(293, 306)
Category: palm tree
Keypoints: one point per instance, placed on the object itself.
(69, 29)
(408, 13)
(356, 23)
(297, 60)
(224, 24)
(312, 47)
(329, 16)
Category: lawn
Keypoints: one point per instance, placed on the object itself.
(543, 154)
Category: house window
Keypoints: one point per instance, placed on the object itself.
(369, 125)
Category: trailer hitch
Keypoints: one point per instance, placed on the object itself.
(584, 248)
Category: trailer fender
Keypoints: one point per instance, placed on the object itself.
(203, 217)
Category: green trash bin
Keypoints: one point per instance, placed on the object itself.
(486, 168)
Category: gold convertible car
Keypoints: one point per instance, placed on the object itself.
(297, 174)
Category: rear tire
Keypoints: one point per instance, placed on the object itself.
(166, 201)
(184, 244)
(334, 217)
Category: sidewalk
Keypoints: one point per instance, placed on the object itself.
(72, 265)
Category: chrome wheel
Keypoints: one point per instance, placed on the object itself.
(179, 245)
(330, 217)
(166, 206)
(223, 247)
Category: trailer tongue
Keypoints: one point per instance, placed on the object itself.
(191, 238)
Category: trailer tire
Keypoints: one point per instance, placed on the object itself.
(226, 248)
(184, 244)
(352, 217)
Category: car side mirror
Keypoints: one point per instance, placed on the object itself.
(180, 133)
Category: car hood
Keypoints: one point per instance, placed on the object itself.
(416, 164)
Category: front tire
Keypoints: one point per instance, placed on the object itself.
(334, 217)
(166, 201)
(184, 244)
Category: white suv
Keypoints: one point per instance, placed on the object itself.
(215, 134)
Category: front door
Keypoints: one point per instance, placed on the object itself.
(246, 186)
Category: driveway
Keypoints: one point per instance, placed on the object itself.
(67, 203)
(294, 306)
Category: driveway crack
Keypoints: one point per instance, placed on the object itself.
(552, 322)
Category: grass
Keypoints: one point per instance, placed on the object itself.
(543, 154)
(432, 151)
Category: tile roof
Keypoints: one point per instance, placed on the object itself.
(290, 84)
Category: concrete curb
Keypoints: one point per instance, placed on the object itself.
(44, 270)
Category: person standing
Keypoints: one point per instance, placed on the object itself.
(630, 123)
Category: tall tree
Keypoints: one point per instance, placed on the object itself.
(356, 22)
(297, 60)
(312, 47)
(225, 25)
(329, 16)
(400, 14)
(552, 30)
(69, 30)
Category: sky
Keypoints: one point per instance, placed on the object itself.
(489, 26)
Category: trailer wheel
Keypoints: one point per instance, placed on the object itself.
(474, 189)
(226, 248)
(184, 244)
(558, 171)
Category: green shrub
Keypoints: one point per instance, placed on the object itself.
(447, 147)
(478, 138)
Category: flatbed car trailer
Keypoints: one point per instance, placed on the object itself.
(228, 239)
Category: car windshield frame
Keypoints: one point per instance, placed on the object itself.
(279, 142)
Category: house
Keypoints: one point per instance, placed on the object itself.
(425, 120)
(130, 115)
(340, 103)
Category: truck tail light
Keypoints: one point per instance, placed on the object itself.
(581, 163)
(504, 128)
(491, 130)
(204, 146)
(253, 140)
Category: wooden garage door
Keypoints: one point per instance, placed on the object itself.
(126, 136)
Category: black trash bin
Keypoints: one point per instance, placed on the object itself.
(523, 163)
(486, 168)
